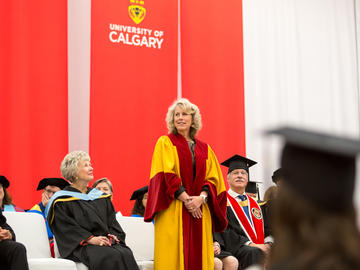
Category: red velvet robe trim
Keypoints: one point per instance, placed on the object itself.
(167, 184)
(256, 232)
(192, 227)
(164, 184)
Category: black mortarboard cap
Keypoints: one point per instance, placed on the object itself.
(277, 175)
(319, 166)
(58, 182)
(251, 187)
(238, 162)
(4, 182)
(139, 193)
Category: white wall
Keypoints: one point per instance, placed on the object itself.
(300, 69)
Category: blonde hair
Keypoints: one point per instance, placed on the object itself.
(70, 165)
(189, 108)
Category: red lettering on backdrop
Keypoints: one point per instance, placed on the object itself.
(212, 71)
(33, 94)
(133, 81)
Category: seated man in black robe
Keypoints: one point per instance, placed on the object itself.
(12, 254)
(50, 186)
(83, 220)
(245, 235)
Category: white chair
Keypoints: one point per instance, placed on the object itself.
(30, 230)
(79, 265)
(140, 239)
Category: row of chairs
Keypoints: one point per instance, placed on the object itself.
(30, 230)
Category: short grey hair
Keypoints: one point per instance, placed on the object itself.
(70, 165)
(105, 180)
(189, 108)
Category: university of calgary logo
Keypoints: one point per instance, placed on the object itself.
(136, 11)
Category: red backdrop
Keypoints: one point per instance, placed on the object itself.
(133, 81)
(212, 71)
(33, 94)
(131, 88)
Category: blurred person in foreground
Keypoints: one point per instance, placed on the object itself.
(278, 176)
(83, 220)
(187, 196)
(314, 216)
(270, 193)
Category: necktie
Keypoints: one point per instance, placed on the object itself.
(242, 197)
(246, 208)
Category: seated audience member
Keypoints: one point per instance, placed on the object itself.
(6, 202)
(83, 220)
(278, 176)
(224, 260)
(270, 197)
(314, 217)
(244, 237)
(50, 186)
(270, 193)
(12, 253)
(140, 196)
(103, 185)
(252, 190)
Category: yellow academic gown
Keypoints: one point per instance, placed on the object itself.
(181, 241)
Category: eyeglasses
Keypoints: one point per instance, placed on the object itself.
(48, 191)
(241, 172)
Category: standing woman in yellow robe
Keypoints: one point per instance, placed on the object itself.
(187, 196)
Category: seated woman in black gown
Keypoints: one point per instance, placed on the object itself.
(83, 220)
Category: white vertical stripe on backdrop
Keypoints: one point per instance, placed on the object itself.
(79, 21)
(300, 69)
(179, 85)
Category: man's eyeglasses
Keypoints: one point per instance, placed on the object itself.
(49, 192)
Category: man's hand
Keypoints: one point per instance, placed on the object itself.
(45, 198)
(264, 247)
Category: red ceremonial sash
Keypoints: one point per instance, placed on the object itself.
(254, 230)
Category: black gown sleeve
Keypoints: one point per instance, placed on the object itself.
(69, 234)
(6, 226)
(113, 224)
(218, 238)
(233, 237)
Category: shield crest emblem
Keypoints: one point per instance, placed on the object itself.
(256, 213)
(137, 13)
